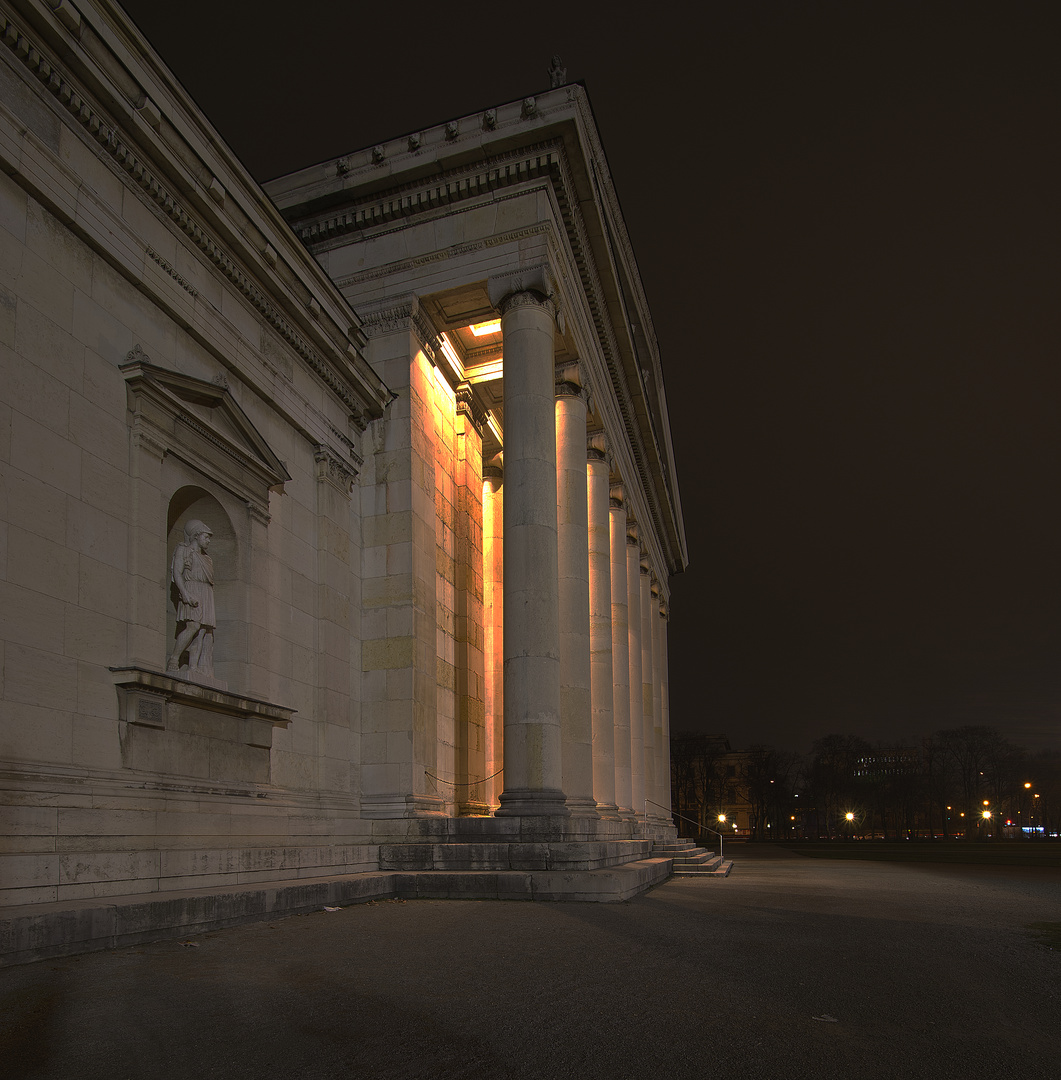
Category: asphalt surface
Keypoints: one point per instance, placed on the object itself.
(789, 968)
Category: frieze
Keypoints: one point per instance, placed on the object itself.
(467, 248)
(109, 138)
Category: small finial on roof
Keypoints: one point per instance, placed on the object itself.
(557, 73)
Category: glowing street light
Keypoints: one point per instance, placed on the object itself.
(986, 815)
(849, 816)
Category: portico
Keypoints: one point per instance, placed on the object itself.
(521, 310)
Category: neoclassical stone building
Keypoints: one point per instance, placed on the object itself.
(337, 519)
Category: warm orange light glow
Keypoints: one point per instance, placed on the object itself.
(484, 328)
(987, 814)
(1027, 785)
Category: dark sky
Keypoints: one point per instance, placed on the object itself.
(847, 217)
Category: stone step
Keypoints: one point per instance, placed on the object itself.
(722, 869)
(688, 860)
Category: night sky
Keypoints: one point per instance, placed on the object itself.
(847, 218)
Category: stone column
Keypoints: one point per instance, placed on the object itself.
(657, 710)
(620, 654)
(468, 583)
(600, 627)
(664, 617)
(576, 730)
(533, 770)
(648, 718)
(637, 730)
(493, 625)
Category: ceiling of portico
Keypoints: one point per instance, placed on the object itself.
(454, 313)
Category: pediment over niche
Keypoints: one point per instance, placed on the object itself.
(201, 423)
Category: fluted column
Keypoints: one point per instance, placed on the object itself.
(533, 771)
(576, 727)
(620, 653)
(600, 626)
(637, 714)
(646, 687)
(493, 623)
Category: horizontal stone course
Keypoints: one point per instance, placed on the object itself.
(36, 932)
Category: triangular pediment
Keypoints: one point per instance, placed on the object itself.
(196, 419)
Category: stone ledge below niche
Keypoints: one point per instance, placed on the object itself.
(144, 694)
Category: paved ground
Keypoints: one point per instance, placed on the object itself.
(928, 972)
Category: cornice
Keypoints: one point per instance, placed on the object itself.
(388, 202)
(98, 126)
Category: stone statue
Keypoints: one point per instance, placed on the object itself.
(557, 73)
(192, 571)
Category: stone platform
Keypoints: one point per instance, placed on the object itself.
(432, 858)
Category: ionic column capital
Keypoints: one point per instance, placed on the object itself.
(615, 496)
(531, 285)
(597, 448)
(494, 469)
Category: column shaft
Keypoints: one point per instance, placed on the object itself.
(620, 656)
(532, 778)
(636, 698)
(664, 681)
(600, 633)
(493, 625)
(576, 727)
(663, 810)
(648, 718)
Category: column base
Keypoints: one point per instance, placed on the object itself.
(474, 809)
(608, 812)
(533, 802)
(399, 805)
(582, 807)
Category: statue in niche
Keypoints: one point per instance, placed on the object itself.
(557, 73)
(192, 572)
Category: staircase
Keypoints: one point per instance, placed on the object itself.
(690, 860)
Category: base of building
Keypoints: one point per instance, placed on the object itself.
(47, 930)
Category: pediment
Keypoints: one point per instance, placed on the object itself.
(201, 422)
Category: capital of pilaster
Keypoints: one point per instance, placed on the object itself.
(469, 407)
(331, 469)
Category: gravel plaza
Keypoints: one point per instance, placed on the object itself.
(790, 968)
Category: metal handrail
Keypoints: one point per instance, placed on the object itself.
(674, 813)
